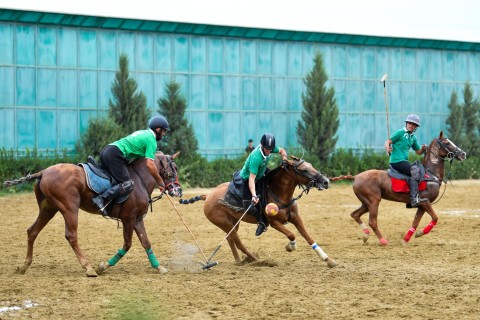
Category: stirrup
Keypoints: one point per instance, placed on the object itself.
(415, 202)
(101, 206)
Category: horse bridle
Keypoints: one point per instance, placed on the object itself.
(451, 155)
(172, 174)
(305, 189)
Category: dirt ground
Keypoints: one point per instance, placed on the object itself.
(434, 277)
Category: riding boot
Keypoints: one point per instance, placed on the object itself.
(103, 200)
(415, 199)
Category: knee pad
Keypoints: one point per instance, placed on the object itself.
(415, 172)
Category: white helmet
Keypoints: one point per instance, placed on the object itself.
(413, 118)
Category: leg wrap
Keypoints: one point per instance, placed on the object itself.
(409, 234)
(319, 251)
(429, 227)
(151, 257)
(119, 255)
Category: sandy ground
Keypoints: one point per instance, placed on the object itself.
(434, 277)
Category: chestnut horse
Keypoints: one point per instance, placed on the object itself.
(280, 186)
(63, 187)
(372, 186)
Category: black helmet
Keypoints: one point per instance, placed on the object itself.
(268, 141)
(158, 122)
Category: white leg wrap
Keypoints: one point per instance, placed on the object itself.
(319, 251)
(363, 226)
(292, 245)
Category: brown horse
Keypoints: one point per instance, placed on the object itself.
(63, 187)
(280, 186)
(372, 186)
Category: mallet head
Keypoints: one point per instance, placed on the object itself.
(385, 76)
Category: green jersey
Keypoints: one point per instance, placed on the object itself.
(402, 141)
(140, 144)
(256, 163)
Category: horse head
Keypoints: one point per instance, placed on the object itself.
(445, 149)
(307, 174)
(168, 172)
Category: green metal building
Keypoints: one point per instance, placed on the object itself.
(56, 72)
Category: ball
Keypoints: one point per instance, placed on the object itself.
(271, 209)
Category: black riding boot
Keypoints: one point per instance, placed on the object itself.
(103, 200)
(262, 222)
(415, 199)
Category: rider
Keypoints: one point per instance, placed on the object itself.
(116, 156)
(254, 170)
(398, 146)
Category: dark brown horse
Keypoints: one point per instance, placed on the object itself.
(281, 183)
(372, 186)
(63, 187)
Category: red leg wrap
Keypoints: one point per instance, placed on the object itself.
(409, 234)
(429, 227)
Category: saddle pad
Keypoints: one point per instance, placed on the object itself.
(99, 184)
(95, 182)
(402, 186)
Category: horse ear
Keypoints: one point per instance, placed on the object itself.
(294, 158)
(441, 134)
(176, 155)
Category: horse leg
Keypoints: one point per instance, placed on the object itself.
(45, 214)
(292, 244)
(372, 222)
(235, 242)
(71, 226)
(298, 223)
(356, 215)
(128, 227)
(142, 236)
(428, 207)
(415, 223)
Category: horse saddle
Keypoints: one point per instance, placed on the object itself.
(234, 195)
(98, 179)
(400, 182)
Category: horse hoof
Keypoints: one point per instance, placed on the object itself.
(162, 270)
(21, 270)
(383, 242)
(91, 272)
(365, 237)
(331, 263)
(290, 247)
(419, 233)
(102, 267)
(405, 243)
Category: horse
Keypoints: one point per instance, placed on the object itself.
(280, 186)
(63, 187)
(372, 186)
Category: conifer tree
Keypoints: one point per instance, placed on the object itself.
(454, 121)
(127, 108)
(317, 129)
(181, 136)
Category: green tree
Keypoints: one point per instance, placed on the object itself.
(317, 129)
(181, 136)
(128, 108)
(471, 110)
(100, 132)
(454, 121)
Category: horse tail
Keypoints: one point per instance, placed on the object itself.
(29, 177)
(194, 199)
(346, 177)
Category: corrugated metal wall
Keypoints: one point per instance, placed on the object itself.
(54, 78)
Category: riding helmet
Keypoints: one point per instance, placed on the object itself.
(413, 118)
(268, 141)
(158, 122)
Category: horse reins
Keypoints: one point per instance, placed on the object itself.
(449, 157)
(306, 189)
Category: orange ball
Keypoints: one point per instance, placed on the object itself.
(271, 209)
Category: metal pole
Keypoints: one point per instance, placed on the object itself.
(384, 79)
